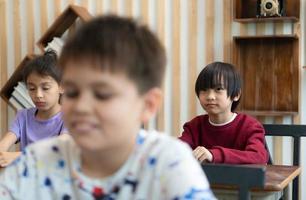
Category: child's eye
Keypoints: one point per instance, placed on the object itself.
(71, 93)
(219, 89)
(31, 88)
(103, 96)
(46, 88)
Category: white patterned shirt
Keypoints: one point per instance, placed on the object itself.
(160, 167)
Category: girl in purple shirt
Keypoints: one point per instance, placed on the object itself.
(42, 79)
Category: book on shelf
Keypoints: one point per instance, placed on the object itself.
(21, 95)
(56, 45)
(17, 104)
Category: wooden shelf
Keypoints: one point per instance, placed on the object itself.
(252, 37)
(63, 23)
(268, 113)
(269, 66)
(267, 19)
(245, 11)
(17, 76)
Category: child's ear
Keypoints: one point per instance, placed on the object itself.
(152, 101)
(236, 98)
(61, 90)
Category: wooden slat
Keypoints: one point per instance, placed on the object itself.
(209, 27)
(17, 31)
(30, 26)
(71, 2)
(260, 29)
(57, 8)
(145, 20)
(84, 3)
(99, 7)
(145, 11)
(43, 16)
(114, 6)
(278, 145)
(160, 122)
(278, 28)
(175, 91)
(3, 66)
(192, 57)
(227, 30)
(129, 8)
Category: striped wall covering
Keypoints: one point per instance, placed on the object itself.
(194, 32)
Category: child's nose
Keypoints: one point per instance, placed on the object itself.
(39, 93)
(83, 103)
(210, 95)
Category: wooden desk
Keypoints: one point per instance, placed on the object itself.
(277, 179)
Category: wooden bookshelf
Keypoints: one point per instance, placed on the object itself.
(62, 23)
(245, 11)
(17, 76)
(269, 66)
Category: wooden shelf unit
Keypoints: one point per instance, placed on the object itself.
(17, 76)
(63, 23)
(245, 11)
(269, 66)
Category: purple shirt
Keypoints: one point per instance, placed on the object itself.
(28, 129)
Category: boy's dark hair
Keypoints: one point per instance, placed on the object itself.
(44, 65)
(118, 44)
(218, 74)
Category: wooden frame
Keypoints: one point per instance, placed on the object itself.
(269, 66)
(245, 11)
(17, 76)
(63, 23)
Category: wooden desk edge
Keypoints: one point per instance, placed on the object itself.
(285, 183)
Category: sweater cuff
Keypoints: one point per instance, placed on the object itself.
(217, 155)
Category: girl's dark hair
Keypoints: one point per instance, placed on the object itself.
(45, 65)
(218, 74)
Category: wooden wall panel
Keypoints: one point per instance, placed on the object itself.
(175, 93)
(176, 23)
(160, 122)
(30, 26)
(159, 15)
(129, 8)
(17, 32)
(57, 8)
(192, 58)
(227, 30)
(210, 24)
(43, 16)
(3, 66)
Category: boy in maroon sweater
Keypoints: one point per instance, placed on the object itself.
(221, 135)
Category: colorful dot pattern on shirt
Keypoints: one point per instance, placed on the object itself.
(56, 175)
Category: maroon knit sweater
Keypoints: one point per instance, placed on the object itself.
(239, 142)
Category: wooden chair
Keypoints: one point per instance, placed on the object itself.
(296, 132)
(241, 176)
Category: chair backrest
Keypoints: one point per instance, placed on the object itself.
(242, 176)
(296, 132)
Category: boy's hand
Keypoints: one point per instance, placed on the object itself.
(7, 157)
(202, 154)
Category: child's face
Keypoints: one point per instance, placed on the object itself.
(216, 102)
(44, 91)
(102, 110)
